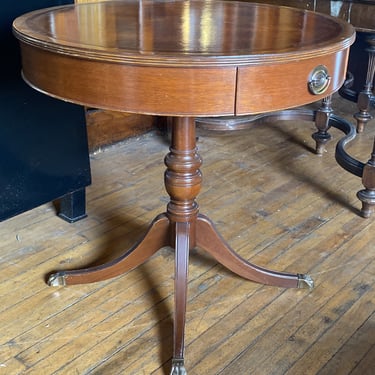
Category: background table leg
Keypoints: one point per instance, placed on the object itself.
(367, 195)
(322, 117)
(366, 96)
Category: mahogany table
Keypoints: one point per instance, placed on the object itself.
(183, 59)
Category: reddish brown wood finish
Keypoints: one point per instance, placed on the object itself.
(122, 87)
(210, 240)
(157, 236)
(182, 59)
(154, 58)
(285, 85)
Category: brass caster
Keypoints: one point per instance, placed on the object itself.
(57, 279)
(178, 367)
(305, 281)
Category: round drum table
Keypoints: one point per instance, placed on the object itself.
(183, 59)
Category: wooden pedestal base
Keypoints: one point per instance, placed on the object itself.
(182, 228)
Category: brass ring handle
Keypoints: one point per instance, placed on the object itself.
(319, 80)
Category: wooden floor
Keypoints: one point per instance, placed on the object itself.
(272, 199)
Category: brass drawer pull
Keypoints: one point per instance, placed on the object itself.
(319, 80)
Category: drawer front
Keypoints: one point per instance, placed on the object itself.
(279, 86)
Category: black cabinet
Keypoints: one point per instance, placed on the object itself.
(43, 141)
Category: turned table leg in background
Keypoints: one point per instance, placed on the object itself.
(366, 95)
(367, 195)
(365, 98)
(322, 117)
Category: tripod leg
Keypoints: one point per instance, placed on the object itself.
(210, 240)
(180, 296)
(156, 237)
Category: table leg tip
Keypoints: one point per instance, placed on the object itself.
(305, 281)
(178, 367)
(57, 279)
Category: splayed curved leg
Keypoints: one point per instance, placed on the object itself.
(182, 245)
(208, 239)
(155, 238)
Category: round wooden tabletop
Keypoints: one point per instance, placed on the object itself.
(182, 58)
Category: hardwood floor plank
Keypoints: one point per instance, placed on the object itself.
(366, 365)
(274, 201)
(356, 347)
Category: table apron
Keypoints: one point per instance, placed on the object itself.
(178, 91)
(131, 88)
